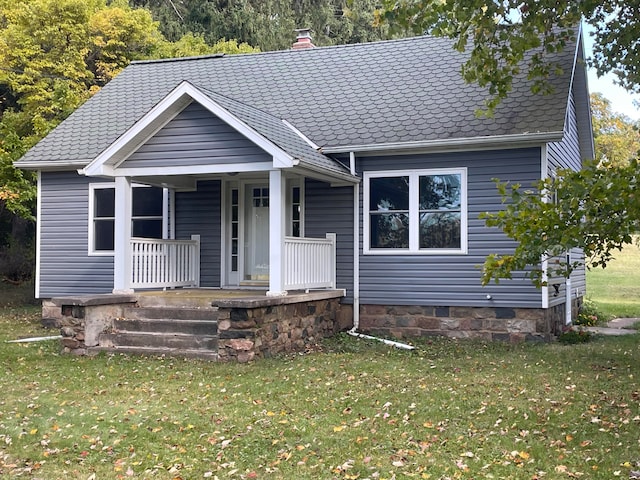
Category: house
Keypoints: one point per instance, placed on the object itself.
(356, 169)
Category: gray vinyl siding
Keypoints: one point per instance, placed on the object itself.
(453, 280)
(65, 266)
(330, 210)
(196, 137)
(199, 213)
(566, 154)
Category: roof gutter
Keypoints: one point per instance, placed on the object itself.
(52, 167)
(334, 177)
(495, 141)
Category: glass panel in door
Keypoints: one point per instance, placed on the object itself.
(256, 238)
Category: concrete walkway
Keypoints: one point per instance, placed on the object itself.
(618, 326)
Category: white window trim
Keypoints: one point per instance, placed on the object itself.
(414, 215)
(91, 246)
(91, 231)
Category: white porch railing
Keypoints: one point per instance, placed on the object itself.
(165, 263)
(310, 262)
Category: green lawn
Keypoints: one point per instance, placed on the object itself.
(616, 288)
(349, 410)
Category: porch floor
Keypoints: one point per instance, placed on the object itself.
(215, 297)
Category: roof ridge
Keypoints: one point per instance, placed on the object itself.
(284, 52)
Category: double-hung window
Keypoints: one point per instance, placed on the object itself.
(415, 212)
(147, 217)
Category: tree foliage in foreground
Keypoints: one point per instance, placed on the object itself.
(595, 209)
(502, 36)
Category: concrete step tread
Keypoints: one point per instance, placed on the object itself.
(185, 341)
(127, 333)
(170, 313)
(167, 326)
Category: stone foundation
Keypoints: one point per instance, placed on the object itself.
(270, 326)
(487, 323)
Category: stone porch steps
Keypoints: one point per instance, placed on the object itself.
(164, 330)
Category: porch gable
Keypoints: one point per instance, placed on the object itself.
(110, 161)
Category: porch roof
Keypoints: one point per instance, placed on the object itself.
(289, 147)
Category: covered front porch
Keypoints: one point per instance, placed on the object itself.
(233, 200)
(261, 246)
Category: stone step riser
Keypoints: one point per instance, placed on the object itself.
(190, 327)
(177, 301)
(173, 313)
(161, 341)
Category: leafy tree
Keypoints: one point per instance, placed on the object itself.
(617, 137)
(269, 24)
(502, 36)
(595, 209)
(54, 55)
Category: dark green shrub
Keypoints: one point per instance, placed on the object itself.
(575, 335)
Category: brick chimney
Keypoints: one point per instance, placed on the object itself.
(303, 40)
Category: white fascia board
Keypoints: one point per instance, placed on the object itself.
(163, 112)
(142, 130)
(453, 144)
(196, 169)
(307, 140)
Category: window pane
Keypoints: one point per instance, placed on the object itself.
(391, 193)
(389, 230)
(147, 202)
(440, 230)
(440, 192)
(104, 202)
(103, 235)
(148, 228)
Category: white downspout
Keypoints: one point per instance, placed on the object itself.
(568, 306)
(356, 266)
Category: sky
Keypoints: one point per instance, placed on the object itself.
(621, 100)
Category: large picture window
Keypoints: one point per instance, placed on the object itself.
(147, 218)
(421, 211)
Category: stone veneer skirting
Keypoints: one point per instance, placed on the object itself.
(264, 327)
(247, 328)
(487, 323)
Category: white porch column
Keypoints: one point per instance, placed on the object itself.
(277, 201)
(122, 237)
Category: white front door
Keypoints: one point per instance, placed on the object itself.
(247, 229)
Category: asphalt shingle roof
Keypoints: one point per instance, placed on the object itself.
(398, 91)
(276, 131)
